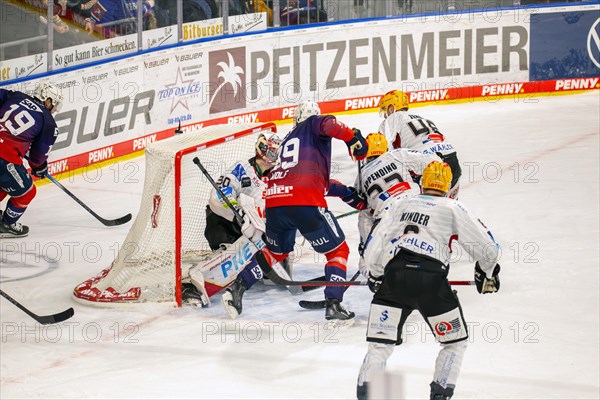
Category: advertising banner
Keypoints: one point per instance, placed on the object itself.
(565, 45)
(117, 108)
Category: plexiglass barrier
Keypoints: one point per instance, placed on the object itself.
(38, 36)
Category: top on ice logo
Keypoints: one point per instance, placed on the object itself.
(179, 91)
(227, 79)
(593, 43)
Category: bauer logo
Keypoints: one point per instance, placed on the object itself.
(227, 77)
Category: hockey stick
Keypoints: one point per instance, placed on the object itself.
(43, 319)
(347, 214)
(260, 258)
(106, 222)
(319, 304)
(322, 278)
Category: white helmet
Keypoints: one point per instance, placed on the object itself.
(267, 148)
(305, 110)
(45, 91)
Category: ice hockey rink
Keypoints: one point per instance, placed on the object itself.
(530, 173)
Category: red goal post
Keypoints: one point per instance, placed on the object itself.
(168, 231)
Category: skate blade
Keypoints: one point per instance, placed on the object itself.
(339, 323)
(8, 235)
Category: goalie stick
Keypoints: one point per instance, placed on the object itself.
(106, 222)
(42, 319)
(320, 304)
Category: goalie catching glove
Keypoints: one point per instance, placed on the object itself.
(253, 226)
(357, 146)
(485, 284)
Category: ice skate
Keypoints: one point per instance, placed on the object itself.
(232, 298)
(13, 230)
(336, 314)
(362, 391)
(440, 393)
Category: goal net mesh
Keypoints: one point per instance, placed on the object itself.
(170, 223)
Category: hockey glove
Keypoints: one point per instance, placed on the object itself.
(485, 284)
(357, 145)
(354, 199)
(253, 226)
(374, 282)
(40, 171)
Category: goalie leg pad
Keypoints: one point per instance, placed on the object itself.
(197, 279)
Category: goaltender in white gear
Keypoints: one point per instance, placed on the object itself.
(408, 256)
(232, 264)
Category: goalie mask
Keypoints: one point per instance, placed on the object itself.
(268, 148)
(44, 91)
(306, 109)
(397, 99)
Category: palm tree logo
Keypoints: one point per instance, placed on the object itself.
(230, 73)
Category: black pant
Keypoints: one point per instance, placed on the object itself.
(413, 281)
(219, 230)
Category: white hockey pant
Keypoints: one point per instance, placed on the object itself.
(448, 362)
(375, 361)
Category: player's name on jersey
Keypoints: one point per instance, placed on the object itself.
(416, 217)
(380, 173)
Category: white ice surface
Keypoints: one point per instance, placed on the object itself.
(531, 173)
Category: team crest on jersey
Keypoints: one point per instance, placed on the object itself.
(239, 172)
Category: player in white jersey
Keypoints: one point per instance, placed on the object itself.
(245, 178)
(410, 131)
(407, 255)
(387, 176)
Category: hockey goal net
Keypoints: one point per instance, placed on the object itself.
(169, 227)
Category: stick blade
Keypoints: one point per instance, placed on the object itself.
(119, 221)
(56, 318)
(312, 305)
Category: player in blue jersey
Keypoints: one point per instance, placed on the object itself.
(27, 128)
(295, 196)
